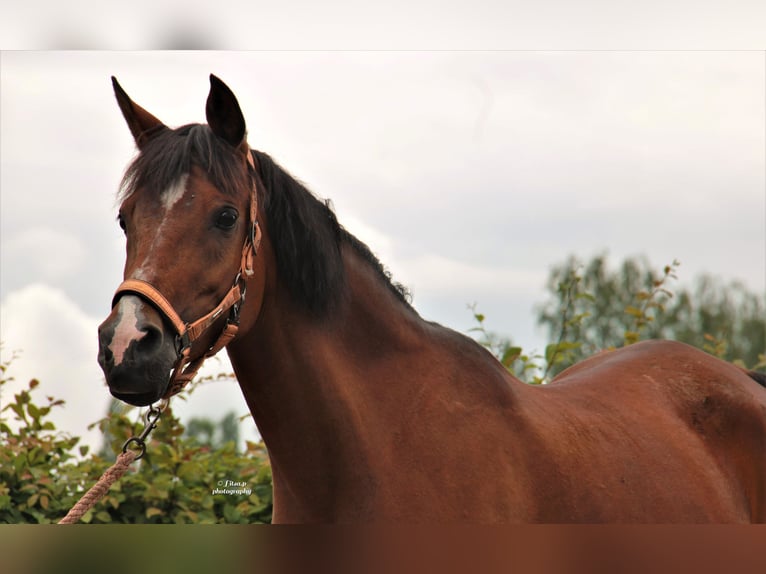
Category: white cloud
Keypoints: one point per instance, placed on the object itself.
(58, 346)
(435, 274)
(35, 252)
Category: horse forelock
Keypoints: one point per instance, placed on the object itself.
(170, 155)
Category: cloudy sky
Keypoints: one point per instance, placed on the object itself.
(469, 173)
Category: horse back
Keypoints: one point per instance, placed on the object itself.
(665, 423)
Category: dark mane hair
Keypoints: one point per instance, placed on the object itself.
(303, 230)
(170, 154)
(307, 238)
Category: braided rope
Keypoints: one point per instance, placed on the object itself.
(98, 490)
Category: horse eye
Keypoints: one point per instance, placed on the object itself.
(226, 219)
(121, 222)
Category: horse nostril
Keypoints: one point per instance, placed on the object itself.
(105, 355)
(150, 343)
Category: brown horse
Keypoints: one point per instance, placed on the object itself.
(371, 413)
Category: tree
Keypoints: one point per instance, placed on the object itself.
(591, 307)
(215, 435)
(635, 302)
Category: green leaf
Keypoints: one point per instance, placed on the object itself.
(264, 475)
(631, 337)
(33, 411)
(577, 319)
(231, 514)
(550, 350)
(35, 455)
(18, 409)
(510, 355)
(586, 296)
(19, 463)
(630, 310)
(569, 345)
(153, 511)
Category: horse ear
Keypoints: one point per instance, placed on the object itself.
(224, 115)
(142, 124)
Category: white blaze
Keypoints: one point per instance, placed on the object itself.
(168, 199)
(172, 194)
(127, 329)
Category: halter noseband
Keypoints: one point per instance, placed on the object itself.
(185, 368)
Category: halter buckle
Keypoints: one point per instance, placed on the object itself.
(183, 343)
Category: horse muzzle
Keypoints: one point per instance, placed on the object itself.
(136, 352)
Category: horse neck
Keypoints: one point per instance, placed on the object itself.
(331, 397)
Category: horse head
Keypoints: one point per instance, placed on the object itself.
(188, 207)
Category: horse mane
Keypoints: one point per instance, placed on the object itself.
(758, 377)
(307, 240)
(304, 231)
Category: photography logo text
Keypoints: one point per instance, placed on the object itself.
(232, 487)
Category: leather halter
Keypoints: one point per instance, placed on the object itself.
(185, 368)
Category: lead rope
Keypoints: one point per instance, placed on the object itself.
(114, 472)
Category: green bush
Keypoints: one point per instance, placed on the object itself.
(178, 481)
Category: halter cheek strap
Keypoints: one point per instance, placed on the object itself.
(185, 368)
